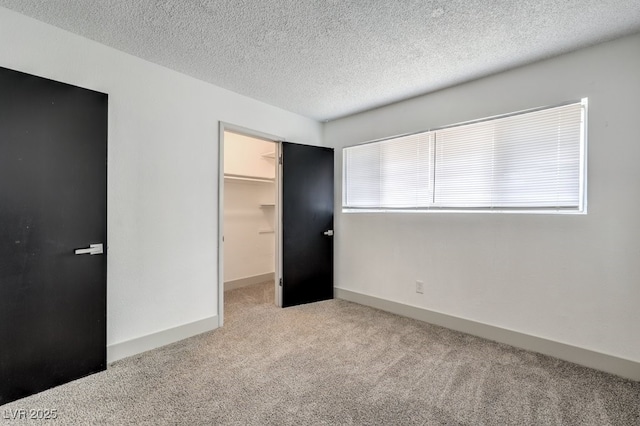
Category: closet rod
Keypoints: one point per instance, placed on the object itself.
(247, 178)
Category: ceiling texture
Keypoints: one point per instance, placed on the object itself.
(326, 59)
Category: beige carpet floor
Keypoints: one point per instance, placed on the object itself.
(336, 362)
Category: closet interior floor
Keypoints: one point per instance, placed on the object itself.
(240, 300)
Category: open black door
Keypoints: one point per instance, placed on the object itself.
(307, 224)
(53, 230)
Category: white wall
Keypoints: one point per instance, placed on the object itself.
(163, 170)
(249, 238)
(568, 278)
(243, 155)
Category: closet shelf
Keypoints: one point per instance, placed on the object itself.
(271, 154)
(268, 205)
(266, 231)
(248, 178)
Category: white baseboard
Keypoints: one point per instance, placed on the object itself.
(155, 340)
(588, 358)
(243, 282)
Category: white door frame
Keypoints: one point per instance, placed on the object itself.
(224, 126)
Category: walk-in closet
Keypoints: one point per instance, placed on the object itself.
(250, 212)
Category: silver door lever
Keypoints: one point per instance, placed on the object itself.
(93, 249)
(328, 233)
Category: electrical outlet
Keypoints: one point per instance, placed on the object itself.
(420, 287)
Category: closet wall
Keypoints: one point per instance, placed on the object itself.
(249, 210)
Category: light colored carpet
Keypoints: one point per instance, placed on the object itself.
(336, 362)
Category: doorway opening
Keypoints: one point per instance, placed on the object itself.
(249, 221)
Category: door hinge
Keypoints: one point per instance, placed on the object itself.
(280, 282)
(280, 159)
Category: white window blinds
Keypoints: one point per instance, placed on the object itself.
(391, 174)
(532, 160)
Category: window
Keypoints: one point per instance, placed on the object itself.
(529, 161)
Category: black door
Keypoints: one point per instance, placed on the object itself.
(53, 187)
(307, 224)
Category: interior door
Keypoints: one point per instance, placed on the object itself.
(53, 202)
(307, 224)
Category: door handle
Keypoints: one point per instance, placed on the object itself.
(93, 249)
(328, 233)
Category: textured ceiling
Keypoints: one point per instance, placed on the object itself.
(327, 59)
